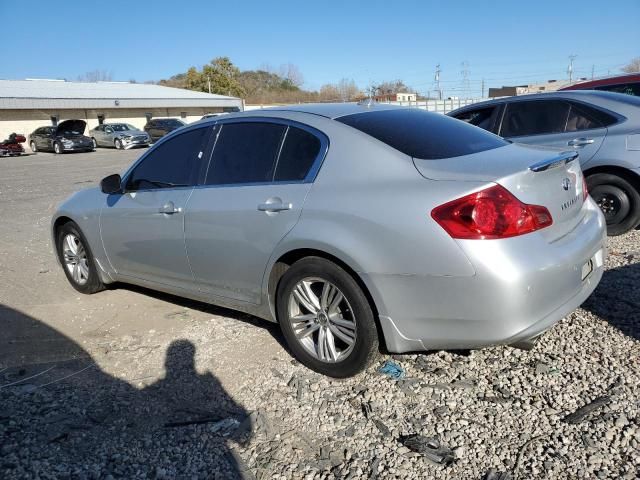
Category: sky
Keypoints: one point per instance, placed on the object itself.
(502, 42)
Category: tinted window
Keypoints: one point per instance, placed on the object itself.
(299, 150)
(480, 118)
(601, 117)
(245, 153)
(626, 88)
(581, 118)
(421, 134)
(170, 164)
(535, 117)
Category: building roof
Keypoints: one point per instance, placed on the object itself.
(26, 94)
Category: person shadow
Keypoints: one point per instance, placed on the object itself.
(62, 416)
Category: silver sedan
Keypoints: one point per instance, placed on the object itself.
(349, 225)
(119, 135)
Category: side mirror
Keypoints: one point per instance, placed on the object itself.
(111, 184)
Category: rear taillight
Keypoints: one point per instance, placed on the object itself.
(585, 189)
(489, 214)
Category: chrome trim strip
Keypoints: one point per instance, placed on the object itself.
(553, 162)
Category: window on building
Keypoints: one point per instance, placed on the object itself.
(54, 120)
(148, 116)
(183, 114)
(100, 119)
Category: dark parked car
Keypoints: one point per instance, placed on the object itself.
(67, 136)
(159, 127)
(628, 84)
(603, 127)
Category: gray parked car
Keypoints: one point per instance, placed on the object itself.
(603, 127)
(119, 135)
(349, 225)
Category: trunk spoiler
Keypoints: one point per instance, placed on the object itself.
(553, 162)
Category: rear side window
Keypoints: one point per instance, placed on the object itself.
(534, 118)
(170, 164)
(299, 151)
(423, 135)
(626, 88)
(245, 153)
(594, 115)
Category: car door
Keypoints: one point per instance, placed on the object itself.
(143, 228)
(251, 196)
(554, 123)
(98, 134)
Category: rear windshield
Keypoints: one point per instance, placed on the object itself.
(424, 135)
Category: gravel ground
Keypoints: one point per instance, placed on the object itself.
(132, 384)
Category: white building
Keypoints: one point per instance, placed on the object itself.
(28, 104)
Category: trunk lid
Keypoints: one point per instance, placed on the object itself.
(535, 175)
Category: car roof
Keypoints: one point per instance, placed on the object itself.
(617, 102)
(332, 110)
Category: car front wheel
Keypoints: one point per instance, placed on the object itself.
(57, 147)
(77, 260)
(34, 149)
(326, 318)
(95, 143)
(118, 144)
(618, 199)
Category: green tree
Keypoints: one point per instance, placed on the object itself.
(223, 77)
(193, 80)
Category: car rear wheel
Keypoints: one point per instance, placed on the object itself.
(57, 147)
(34, 149)
(95, 144)
(118, 143)
(618, 199)
(326, 318)
(77, 260)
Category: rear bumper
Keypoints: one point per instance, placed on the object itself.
(522, 287)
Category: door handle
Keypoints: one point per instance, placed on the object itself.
(169, 209)
(580, 142)
(274, 207)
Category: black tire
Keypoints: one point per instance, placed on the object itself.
(366, 345)
(118, 144)
(58, 148)
(33, 146)
(618, 199)
(95, 143)
(93, 283)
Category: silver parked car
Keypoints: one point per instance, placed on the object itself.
(119, 135)
(603, 127)
(349, 225)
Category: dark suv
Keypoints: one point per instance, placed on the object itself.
(159, 127)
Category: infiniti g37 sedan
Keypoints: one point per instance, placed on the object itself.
(603, 127)
(350, 226)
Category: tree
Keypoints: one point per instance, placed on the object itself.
(329, 93)
(347, 90)
(95, 76)
(394, 86)
(291, 73)
(633, 66)
(223, 77)
(193, 79)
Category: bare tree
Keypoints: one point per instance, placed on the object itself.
(348, 90)
(329, 93)
(633, 66)
(292, 73)
(96, 76)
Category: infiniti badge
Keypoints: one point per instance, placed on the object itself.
(566, 183)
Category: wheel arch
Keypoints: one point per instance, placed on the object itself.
(622, 172)
(282, 264)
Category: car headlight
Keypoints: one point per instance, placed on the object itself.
(126, 137)
(67, 142)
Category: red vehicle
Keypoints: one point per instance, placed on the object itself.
(629, 84)
(11, 147)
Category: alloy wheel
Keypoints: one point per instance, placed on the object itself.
(322, 320)
(75, 258)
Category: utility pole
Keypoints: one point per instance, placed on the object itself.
(570, 69)
(482, 88)
(209, 82)
(593, 67)
(465, 77)
(437, 82)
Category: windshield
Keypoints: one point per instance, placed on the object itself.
(122, 127)
(172, 122)
(423, 135)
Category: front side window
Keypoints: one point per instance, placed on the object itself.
(534, 118)
(299, 151)
(480, 118)
(245, 153)
(171, 164)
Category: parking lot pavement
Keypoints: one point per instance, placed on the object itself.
(129, 383)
